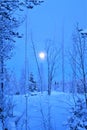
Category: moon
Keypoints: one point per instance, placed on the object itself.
(42, 55)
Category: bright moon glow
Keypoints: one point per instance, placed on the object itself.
(42, 55)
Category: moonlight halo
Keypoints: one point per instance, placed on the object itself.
(42, 55)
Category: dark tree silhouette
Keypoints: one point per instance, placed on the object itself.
(9, 22)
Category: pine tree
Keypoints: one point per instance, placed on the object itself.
(78, 116)
(32, 83)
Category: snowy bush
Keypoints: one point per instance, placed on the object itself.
(78, 118)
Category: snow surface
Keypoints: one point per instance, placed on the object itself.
(84, 31)
(43, 111)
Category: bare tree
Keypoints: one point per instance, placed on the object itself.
(52, 62)
(36, 59)
(79, 60)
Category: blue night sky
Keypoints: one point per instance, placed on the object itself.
(46, 22)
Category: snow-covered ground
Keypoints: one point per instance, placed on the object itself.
(43, 112)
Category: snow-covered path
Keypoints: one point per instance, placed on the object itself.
(43, 111)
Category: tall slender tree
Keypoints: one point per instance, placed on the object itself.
(52, 62)
(80, 64)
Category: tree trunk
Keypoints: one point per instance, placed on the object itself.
(2, 91)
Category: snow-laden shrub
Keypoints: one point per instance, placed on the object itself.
(78, 118)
